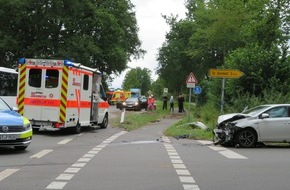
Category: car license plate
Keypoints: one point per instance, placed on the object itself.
(42, 123)
(8, 137)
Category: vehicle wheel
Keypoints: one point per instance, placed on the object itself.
(246, 138)
(104, 124)
(77, 129)
(20, 147)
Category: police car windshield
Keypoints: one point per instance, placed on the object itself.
(3, 105)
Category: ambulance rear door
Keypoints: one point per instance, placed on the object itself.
(42, 93)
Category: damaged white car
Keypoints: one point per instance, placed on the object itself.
(264, 123)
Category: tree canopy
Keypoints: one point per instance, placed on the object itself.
(252, 36)
(138, 78)
(97, 33)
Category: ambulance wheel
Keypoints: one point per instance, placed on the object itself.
(77, 128)
(104, 124)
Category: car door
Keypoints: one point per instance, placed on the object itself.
(277, 126)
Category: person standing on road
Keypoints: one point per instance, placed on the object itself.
(165, 99)
(180, 103)
(171, 101)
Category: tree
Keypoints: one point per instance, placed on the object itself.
(138, 78)
(100, 34)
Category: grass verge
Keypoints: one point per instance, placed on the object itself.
(181, 129)
(134, 120)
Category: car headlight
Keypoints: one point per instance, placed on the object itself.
(27, 126)
(26, 123)
(124, 103)
(136, 103)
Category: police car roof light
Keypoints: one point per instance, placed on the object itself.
(22, 60)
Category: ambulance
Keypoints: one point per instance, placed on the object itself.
(60, 94)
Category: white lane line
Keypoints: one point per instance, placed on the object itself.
(65, 177)
(176, 161)
(84, 160)
(190, 187)
(79, 165)
(88, 155)
(223, 151)
(41, 153)
(7, 173)
(231, 154)
(185, 178)
(56, 185)
(72, 170)
(64, 141)
(182, 172)
(69, 173)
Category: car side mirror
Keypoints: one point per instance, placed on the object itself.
(264, 115)
(15, 109)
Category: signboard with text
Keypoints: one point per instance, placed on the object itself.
(225, 73)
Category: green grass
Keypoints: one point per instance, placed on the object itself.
(134, 120)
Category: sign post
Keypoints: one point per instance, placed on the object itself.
(225, 73)
(190, 83)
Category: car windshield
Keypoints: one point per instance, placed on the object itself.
(255, 110)
(3, 105)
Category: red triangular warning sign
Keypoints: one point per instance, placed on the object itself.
(191, 79)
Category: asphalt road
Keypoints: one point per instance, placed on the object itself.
(143, 159)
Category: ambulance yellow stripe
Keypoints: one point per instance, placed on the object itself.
(63, 98)
(21, 88)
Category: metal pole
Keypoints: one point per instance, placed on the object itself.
(189, 104)
(223, 95)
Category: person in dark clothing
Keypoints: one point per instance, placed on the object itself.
(180, 103)
(165, 100)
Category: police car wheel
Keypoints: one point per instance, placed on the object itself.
(105, 122)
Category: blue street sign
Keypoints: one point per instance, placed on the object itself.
(197, 90)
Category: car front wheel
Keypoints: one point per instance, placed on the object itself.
(246, 138)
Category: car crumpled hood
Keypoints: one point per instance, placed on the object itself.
(9, 117)
(231, 116)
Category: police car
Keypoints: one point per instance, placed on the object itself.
(15, 130)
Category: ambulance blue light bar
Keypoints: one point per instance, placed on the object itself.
(22, 60)
(69, 63)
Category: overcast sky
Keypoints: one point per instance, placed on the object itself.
(152, 30)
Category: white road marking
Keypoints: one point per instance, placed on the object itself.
(7, 173)
(93, 152)
(65, 177)
(179, 166)
(41, 154)
(223, 151)
(56, 185)
(190, 187)
(64, 141)
(182, 172)
(88, 155)
(72, 170)
(84, 160)
(185, 178)
(80, 165)
(69, 173)
(176, 161)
